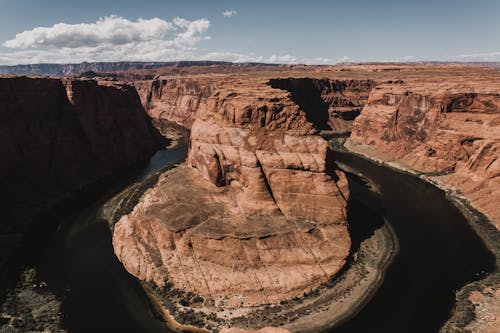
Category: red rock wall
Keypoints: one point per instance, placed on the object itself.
(268, 225)
(451, 133)
(333, 104)
(175, 99)
(57, 136)
(262, 144)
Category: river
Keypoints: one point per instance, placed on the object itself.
(78, 260)
(438, 254)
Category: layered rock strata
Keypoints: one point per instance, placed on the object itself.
(449, 132)
(440, 121)
(333, 104)
(266, 220)
(175, 99)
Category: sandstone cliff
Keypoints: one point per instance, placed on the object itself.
(265, 222)
(58, 136)
(331, 104)
(175, 99)
(448, 131)
(255, 139)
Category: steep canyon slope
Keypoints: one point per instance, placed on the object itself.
(265, 222)
(255, 138)
(332, 104)
(257, 214)
(58, 136)
(448, 130)
(438, 120)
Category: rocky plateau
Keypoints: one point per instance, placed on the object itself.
(256, 216)
(265, 221)
(254, 142)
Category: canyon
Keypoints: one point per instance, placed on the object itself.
(59, 137)
(438, 122)
(440, 129)
(257, 215)
(266, 206)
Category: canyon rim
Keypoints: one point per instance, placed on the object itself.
(223, 167)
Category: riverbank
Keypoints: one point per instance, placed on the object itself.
(477, 303)
(328, 306)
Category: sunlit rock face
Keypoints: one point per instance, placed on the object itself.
(175, 99)
(254, 216)
(447, 130)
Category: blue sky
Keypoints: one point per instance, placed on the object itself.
(270, 31)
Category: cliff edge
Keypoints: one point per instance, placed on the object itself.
(58, 137)
(254, 217)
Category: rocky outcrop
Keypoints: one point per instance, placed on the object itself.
(486, 305)
(449, 132)
(266, 221)
(175, 99)
(59, 136)
(333, 104)
(330, 104)
(258, 224)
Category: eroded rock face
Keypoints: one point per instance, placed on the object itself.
(255, 217)
(333, 104)
(58, 135)
(486, 305)
(175, 99)
(450, 132)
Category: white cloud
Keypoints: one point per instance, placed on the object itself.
(491, 56)
(112, 38)
(229, 13)
(472, 57)
(193, 31)
(273, 59)
(240, 57)
(112, 30)
(115, 38)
